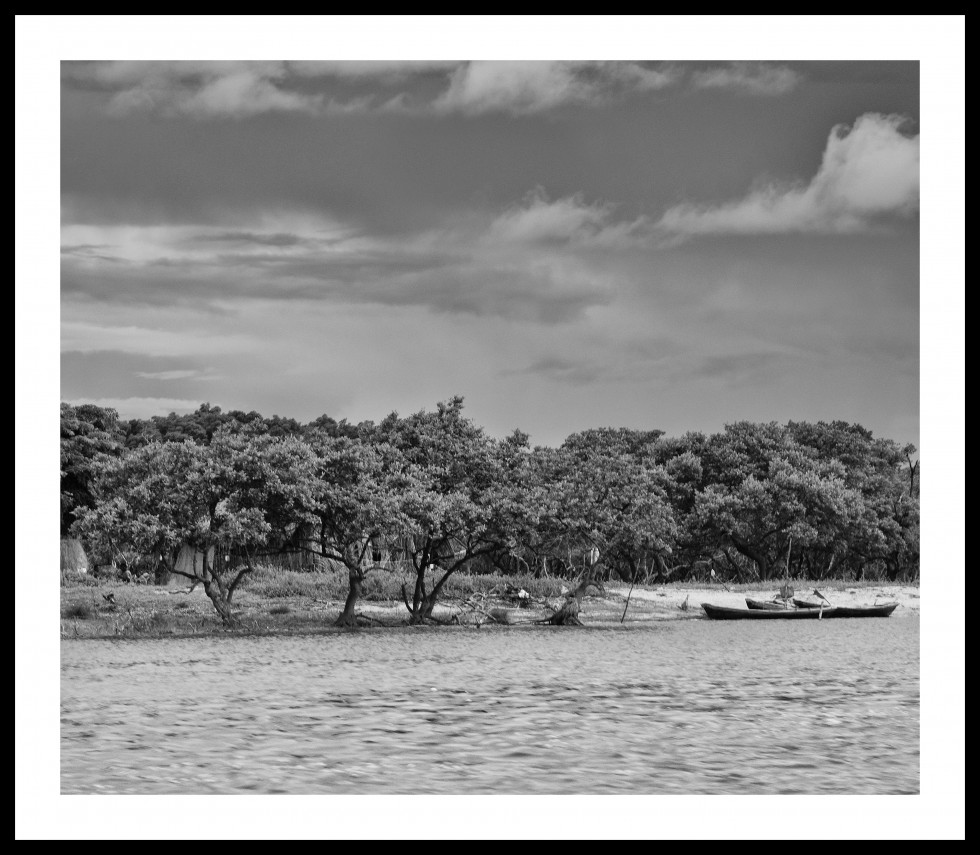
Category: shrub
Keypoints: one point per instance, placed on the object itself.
(80, 611)
(274, 583)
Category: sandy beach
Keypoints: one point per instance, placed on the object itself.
(151, 611)
(664, 602)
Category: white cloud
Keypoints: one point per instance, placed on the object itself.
(754, 78)
(126, 73)
(517, 87)
(245, 93)
(179, 374)
(524, 88)
(869, 171)
(241, 89)
(224, 89)
(568, 220)
(540, 260)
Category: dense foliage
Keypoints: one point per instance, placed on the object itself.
(433, 495)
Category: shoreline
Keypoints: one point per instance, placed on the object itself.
(168, 612)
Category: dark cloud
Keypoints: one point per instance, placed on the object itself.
(738, 367)
(561, 370)
(251, 237)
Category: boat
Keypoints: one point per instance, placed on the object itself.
(806, 604)
(725, 613)
(877, 610)
(767, 605)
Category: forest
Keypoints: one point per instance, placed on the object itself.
(434, 495)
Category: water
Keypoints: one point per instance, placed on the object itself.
(678, 707)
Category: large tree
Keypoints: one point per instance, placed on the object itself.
(765, 489)
(471, 497)
(223, 500)
(359, 498)
(612, 497)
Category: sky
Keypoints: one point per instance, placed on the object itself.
(650, 244)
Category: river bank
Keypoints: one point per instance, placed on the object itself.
(115, 610)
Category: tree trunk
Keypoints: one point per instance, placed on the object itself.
(428, 601)
(418, 597)
(347, 617)
(426, 606)
(219, 600)
(567, 615)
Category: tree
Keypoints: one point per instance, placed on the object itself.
(469, 500)
(223, 500)
(360, 495)
(614, 498)
(884, 529)
(767, 489)
(89, 436)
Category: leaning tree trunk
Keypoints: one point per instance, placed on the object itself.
(347, 617)
(567, 615)
(429, 600)
(214, 592)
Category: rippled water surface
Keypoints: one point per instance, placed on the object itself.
(677, 707)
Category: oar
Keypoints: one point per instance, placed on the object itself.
(722, 583)
(822, 597)
(630, 594)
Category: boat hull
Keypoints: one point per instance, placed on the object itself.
(724, 613)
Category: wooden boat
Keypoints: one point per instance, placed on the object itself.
(766, 605)
(724, 613)
(877, 610)
(806, 604)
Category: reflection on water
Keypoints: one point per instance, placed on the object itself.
(679, 707)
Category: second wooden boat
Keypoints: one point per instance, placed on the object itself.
(725, 613)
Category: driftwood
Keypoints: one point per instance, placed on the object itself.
(567, 614)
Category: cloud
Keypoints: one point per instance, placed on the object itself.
(869, 171)
(524, 88)
(753, 78)
(177, 374)
(361, 69)
(562, 370)
(220, 89)
(245, 94)
(542, 261)
(243, 89)
(568, 220)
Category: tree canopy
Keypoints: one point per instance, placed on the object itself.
(755, 500)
